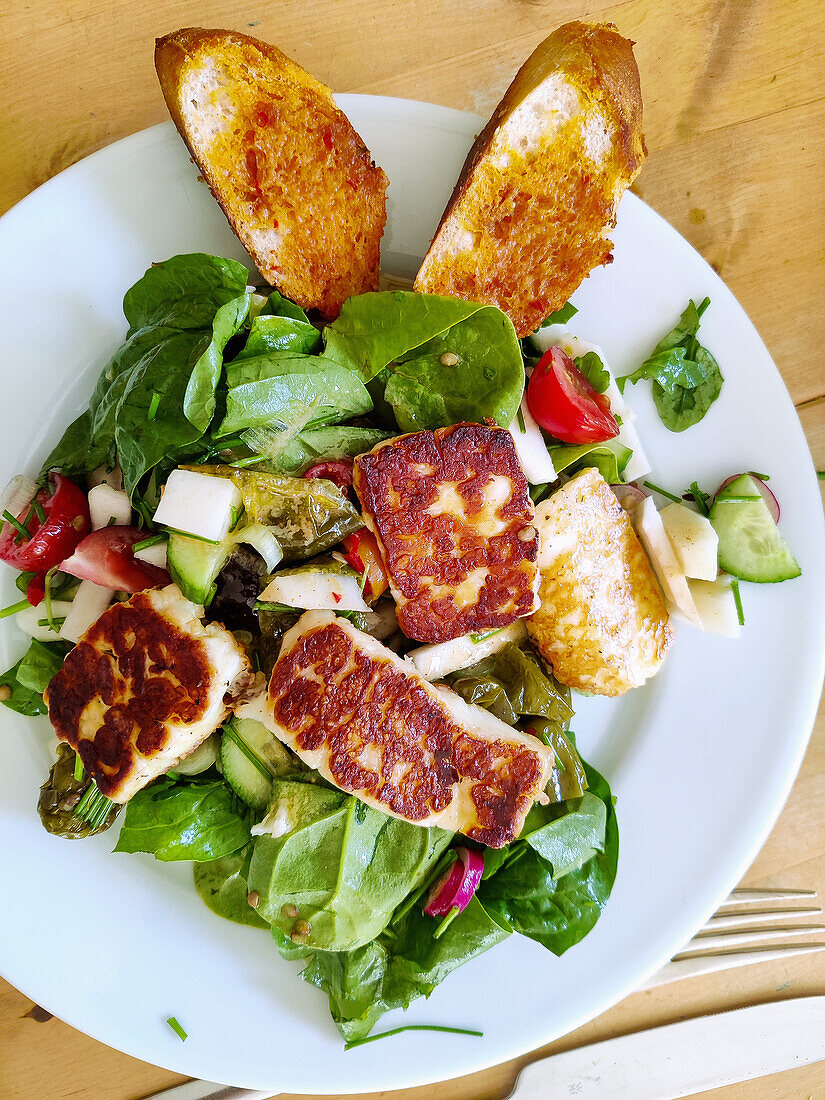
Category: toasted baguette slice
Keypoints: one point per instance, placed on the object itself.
(293, 177)
(531, 212)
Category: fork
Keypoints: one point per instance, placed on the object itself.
(729, 938)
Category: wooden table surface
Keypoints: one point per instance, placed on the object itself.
(735, 125)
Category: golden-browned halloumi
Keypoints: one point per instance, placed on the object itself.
(358, 714)
(143, 687)
(453, 518)
(602, 624)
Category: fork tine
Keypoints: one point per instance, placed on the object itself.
(694, 965)
(723, 940)
(744, 895)
(730, 920)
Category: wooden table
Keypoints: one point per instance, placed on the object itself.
(735, 124)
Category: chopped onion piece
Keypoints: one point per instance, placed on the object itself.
(260, 538)
(18, 493)
(455, 888)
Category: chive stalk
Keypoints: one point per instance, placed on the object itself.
(13, 608)
(152, 411)
(446, 922)
(412, 1027)
(737, 599)
(178, 1029)
(662, 492)
(152, 540)
(16, 524)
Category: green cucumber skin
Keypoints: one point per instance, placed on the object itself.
(193, 566)
(243, 777)
(734, 523)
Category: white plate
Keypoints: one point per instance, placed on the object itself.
(701, 760)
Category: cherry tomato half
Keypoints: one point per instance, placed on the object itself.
(564, 403)
(338, 471)
(106, 557)
(65, 512)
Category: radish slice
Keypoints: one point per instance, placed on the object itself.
(18, 493)
(629, 496)
(455, 888)
(768, 497)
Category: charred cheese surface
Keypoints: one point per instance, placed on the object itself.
(353, 710)
(602, 624)
(454, 520)
(143, 687)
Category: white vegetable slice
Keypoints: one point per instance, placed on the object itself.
(198, 504)
(89, 603)
(102, 476)
(316, 591)
(262, 539)
(716, 607)
(201, 758)
(153, 555)
(653, 537)
(17, 494)
(433, 662)
(694, 540)
(29, 619)
(109, 506)
(531, 449)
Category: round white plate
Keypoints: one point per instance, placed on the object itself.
(700, 760)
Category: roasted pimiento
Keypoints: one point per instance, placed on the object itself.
(602, 625)
(144, 686)
(454, 521)
(358, 714)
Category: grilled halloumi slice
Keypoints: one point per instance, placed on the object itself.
(358, 714)
(145, 685)
(602, 624)
(453, 518)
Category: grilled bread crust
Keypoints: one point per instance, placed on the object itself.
(295, 180)
(530, 215)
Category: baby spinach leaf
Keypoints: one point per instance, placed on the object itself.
(277, 305)
(222, 886)
(22, 699)
(279, 333)
(343, 865)
(373, 330)
(143, 441)
(271, 389)
(41, 662)
(608, 458)
(199, 820)
(336, 441)
(560, 316)
(558, 911)
(567, 834)
(184, 292)
(404, 963)
(199, 400)
(686, 377)
(445, 360)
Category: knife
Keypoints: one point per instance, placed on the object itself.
(661, 1063)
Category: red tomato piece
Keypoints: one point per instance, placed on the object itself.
(106, 557)
(36, 589)
(65, 522)
(362, 553)
(564, 403)
(338, 471)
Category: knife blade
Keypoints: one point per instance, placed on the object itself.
(675, 1060)
(662, 1063)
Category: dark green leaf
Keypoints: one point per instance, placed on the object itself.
(343, 865)
(41, 662)
(276, 305)
(560, 316)
(199, 400)
(22, 699)
(222, 884)
(608, 458)
(174, 821)
(63, 795)
(594, 371)
(315, 444)
(280, 334)
(513, 683)
(679, 408)
(184, 292)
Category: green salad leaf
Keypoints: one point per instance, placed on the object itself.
(30, 676)
(200, 398)
(593, 370)
(277, 305)
(609, 458)
(184, 292)
(513, 684)
(222, 885)
(280, 334)
(332, 442)
(402, 964)
(435, 361)
(341, 865)
(686, 377)
(196, 820)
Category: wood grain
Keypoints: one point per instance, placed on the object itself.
(735, 124)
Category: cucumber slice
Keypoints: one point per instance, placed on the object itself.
(251, 757)
(244, 773)
(750, 545)
(194, 565)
